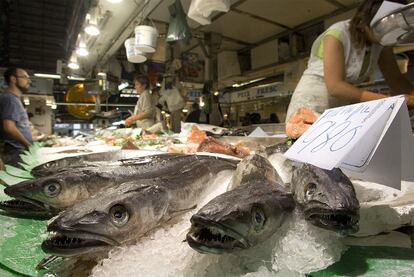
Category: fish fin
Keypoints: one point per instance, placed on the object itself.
(133, 161)
(43, 264)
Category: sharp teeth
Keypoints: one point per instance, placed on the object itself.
(215, 231)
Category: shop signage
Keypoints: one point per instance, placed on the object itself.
(194, 94)
(372, 141)
(129, 92)
(265, 91)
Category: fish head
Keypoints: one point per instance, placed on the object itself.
(240, 218)
(24, 209)
(110, 218)
(52, 165)
(46, 169)
(253, 167)
(327, 197)
(58, 191)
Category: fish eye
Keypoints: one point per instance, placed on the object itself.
(258, 218)
(50, 165)
(119, 215)
(310, 189)
(52, 189)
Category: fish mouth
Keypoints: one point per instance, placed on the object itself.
(343, 221)
(210, 237)
(67, 244)
(26, 209)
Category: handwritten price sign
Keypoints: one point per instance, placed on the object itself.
(346, 136)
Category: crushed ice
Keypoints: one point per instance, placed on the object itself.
(295, 249)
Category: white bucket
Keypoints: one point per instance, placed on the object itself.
(146, 38)
(133, 54)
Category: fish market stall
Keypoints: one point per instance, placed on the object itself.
(136, 191)
(295, 249)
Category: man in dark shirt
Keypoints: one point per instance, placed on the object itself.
(15, 131)
(194, 115)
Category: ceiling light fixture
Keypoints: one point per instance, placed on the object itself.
(115, 1)
(76, 78)
(82, 50)
(50, 76)
(91, 29)
(92, 25)
(246, 83)
(73, 63)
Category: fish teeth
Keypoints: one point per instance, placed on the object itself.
(216, 231)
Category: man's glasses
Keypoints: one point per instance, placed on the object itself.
(23, 77)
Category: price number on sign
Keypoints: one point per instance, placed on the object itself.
(330, 135)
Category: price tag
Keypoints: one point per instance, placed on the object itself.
(372, 141)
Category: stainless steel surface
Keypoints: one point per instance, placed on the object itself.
(396, 28)
(252, 142)
(269, 128)
(272, 128)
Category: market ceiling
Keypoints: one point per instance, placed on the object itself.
(253, 22)
(35, 33)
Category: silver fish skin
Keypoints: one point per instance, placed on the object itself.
(62, 190)
(125, 213)
(93, 159)
(327, 198)
(284, 167)
(254, 167)
(51, 167)
(240, 218)
(276, 148)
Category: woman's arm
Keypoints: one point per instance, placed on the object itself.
(135, 117)
(147, 110)
(392, 74)
(334, 72)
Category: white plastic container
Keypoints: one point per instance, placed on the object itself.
(133, 54)
(146, 38)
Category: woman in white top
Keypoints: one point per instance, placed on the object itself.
(144, 112)
(344, 56)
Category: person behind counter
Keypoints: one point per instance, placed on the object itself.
(173, 102)
(194, 115)
(144, 112)
(343, 57)
(15, 133)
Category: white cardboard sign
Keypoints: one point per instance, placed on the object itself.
(371, 141)
(386, 8)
